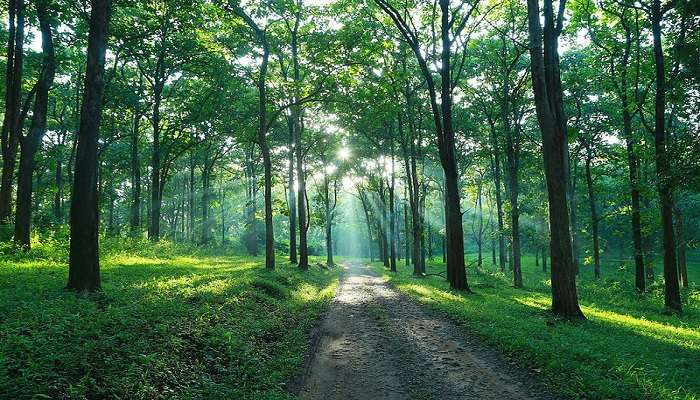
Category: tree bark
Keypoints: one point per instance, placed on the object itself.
(135, 221)
(362, 194)
(571, 181)
(633, 163)
(84, 262)
(496, 157)
(455, 237)
(682, 246)
(29, 144)
(513, 157)
(11, 128)
(292, 198)
(672, 295)
(594, 212)
(442, 117)
(206, 200)
(156, 195)
(546, 84)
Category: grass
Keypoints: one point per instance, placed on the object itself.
(167, 326)
(627, 349)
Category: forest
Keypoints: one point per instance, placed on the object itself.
(350, 199)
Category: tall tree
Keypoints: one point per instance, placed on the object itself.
(12, 122)
(451, 26)
(84, 260)
(546, 84)
(672, 294)
(29, 143)
(263, 127)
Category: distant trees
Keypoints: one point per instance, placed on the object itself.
(232, 114)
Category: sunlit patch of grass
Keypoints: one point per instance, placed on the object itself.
(628, 348)
(167, 324)
(676, 335)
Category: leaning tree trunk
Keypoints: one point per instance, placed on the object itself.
(30, 143)
(672, 296)
(84, 261)
(546, 85)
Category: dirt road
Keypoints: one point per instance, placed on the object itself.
(378, 344)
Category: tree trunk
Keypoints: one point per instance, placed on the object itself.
(329, 232)
(267, 164)
(594, 212)
(365, 208)
(11, 128)
(682, 246)
(496, 165)
(58, 196)
(135, 177)
(301, 198)
(636, 196)
(572, 210)
(222, 208)
(84, 262)
(190, 199)
(292, 198)
(672, 295)
(514, 184)
(455, 236)
(30, 143)
(156, 195)
(206, 196)
(546, 85)
(392, 209)
(513, 163)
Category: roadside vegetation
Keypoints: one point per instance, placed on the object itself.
(629, 348)
(171, 322)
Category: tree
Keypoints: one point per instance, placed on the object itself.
(12, 122)
(546, 85)
(672, 295)
(84, 260)
(29, 143)
(451, 27)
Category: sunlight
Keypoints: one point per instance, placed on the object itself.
(344, 153)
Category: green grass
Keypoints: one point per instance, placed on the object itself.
(203, 326)
(627, 349)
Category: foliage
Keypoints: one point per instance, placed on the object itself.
(627, 349)
(171, 322)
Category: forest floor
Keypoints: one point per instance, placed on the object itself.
(376, 343)
(171, 322)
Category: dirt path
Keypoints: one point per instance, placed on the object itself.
(378, 344)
